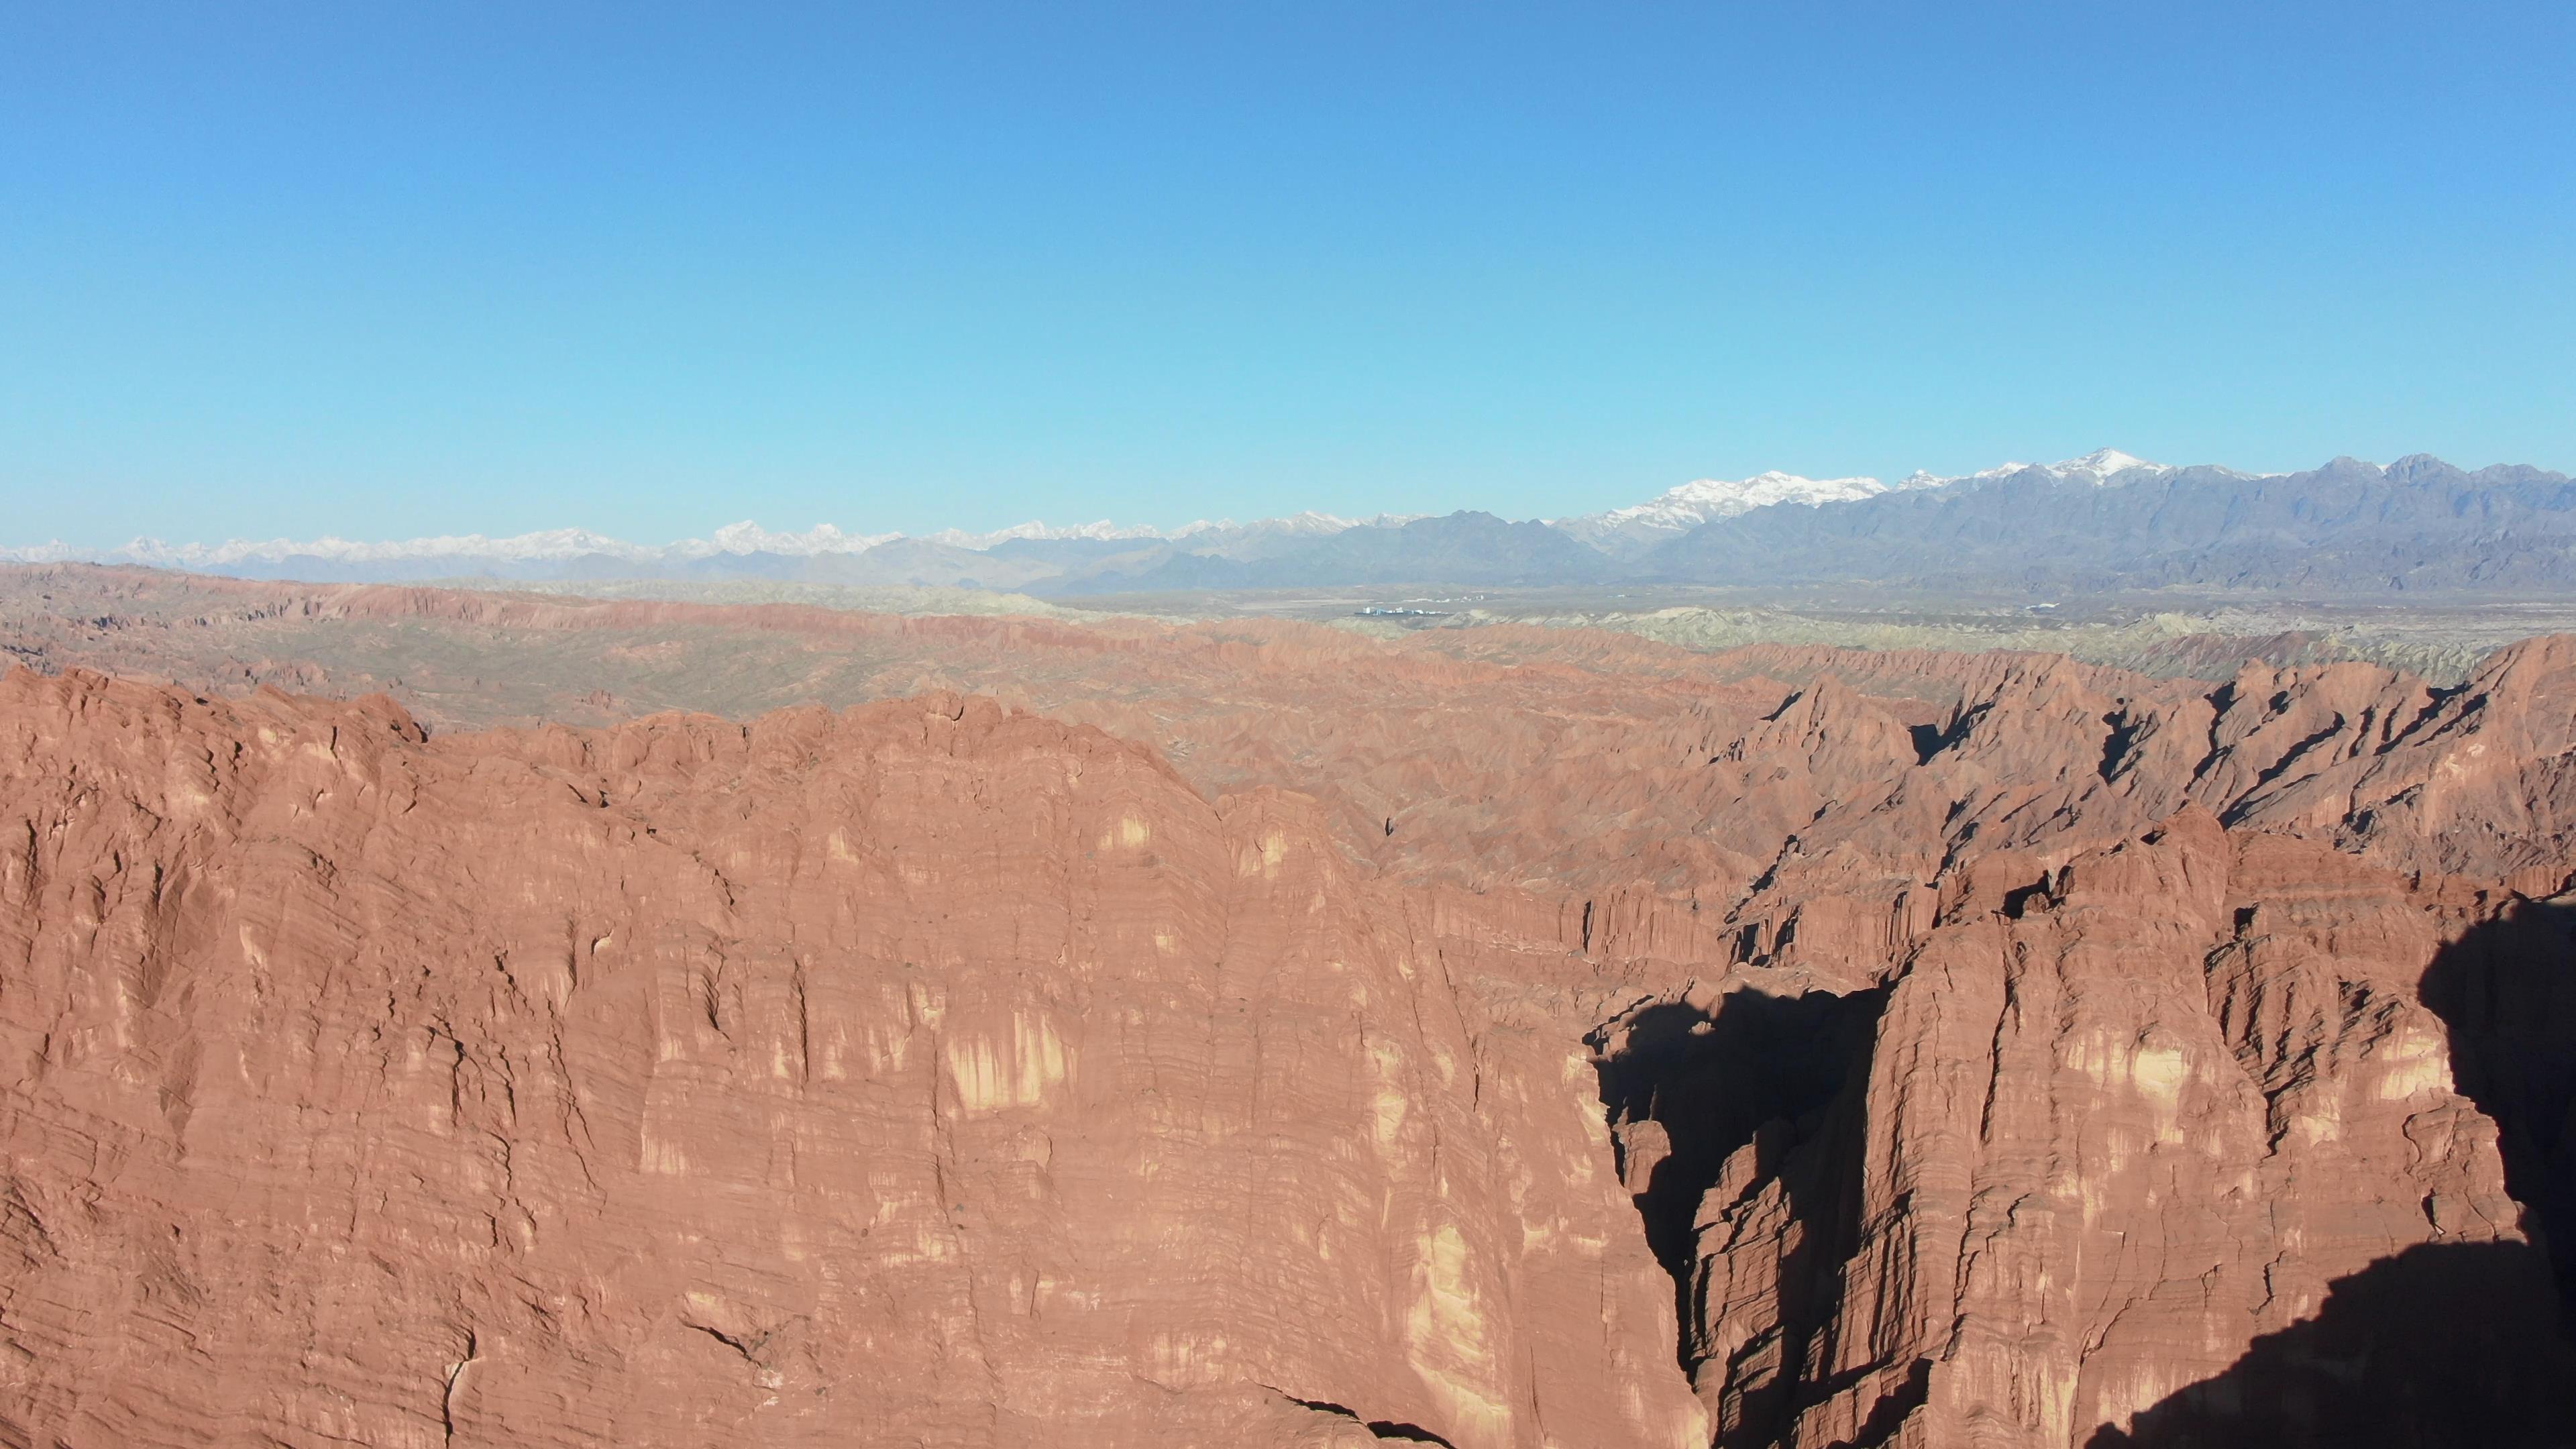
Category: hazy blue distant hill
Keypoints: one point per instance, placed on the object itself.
(2103, 521)
(1073, 552)
(1468, 548)
(2418, 523)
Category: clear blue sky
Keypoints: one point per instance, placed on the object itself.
(383, 270)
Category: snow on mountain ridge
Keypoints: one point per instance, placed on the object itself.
(1679, 510)
(1687, 506)
(1706, 498)
(2096, 467)
(750, 537)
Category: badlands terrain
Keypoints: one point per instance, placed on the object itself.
(440, 1017)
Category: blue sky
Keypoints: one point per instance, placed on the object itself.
(384, 270)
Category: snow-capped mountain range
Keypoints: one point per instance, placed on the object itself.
(1619, 530)
(1631, 530)
(2105, 520)
(1682, 509)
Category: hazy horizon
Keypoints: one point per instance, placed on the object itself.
(828, 534)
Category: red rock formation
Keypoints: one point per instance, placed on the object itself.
(921, 1075)
(2086, 1144)
(2000, 1050)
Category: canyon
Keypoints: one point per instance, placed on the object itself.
(440, 1018)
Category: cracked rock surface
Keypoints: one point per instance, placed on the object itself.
(1557, 1042)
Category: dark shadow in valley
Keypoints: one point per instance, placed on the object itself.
(1783, 1079)
(2506, 992)
(2444, 1346)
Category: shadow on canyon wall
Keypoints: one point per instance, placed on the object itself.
(2506, 992)
(1787, 1078)
(2445, 1344)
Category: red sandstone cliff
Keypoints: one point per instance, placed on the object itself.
(1979, 1052)
(915, 1076)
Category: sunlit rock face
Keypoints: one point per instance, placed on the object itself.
(919, 1075)
(1817, 1048)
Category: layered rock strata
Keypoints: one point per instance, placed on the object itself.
(917, 1076)
(1801, 1048)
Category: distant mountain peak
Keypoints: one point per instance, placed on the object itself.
(1688, 505)
(2102, 463)
(1721, 497)
(2098, 466)
(750, 537)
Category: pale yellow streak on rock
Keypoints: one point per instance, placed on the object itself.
(927, 1008)
(2412, 1063)
(1042, 1057)
(1015, 1072)
(1388, 1104)
(2322, 1122)
(2154, 1070)
(976, 1075)
(2159, 1072)
(1180, 1359)
(1448, 1345)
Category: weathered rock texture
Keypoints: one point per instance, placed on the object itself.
(1542, 1038)
(915, 1076)
(2074, 1155)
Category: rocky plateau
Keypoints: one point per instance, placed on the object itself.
(434, 1019)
